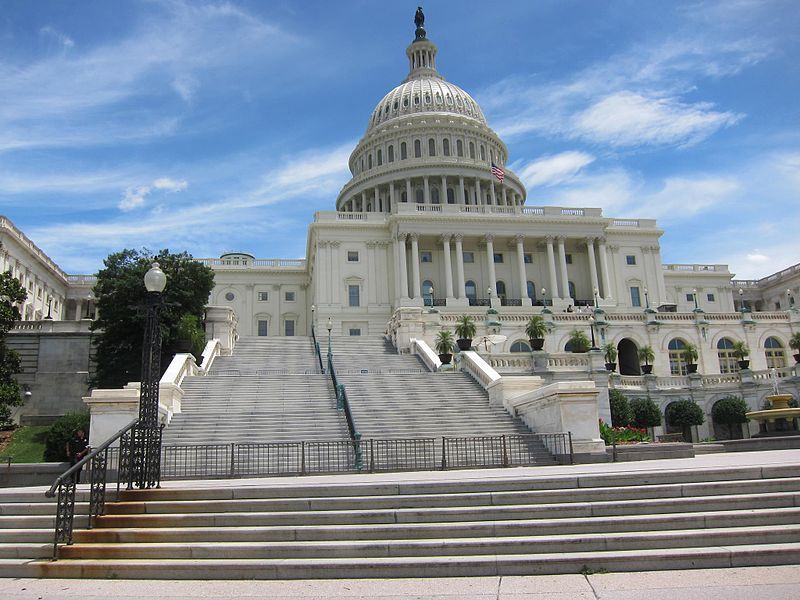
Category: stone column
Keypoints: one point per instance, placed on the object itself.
(478, 198)
(448, 267)
(78, 309)
(408, 191)
(461, 199)
(443, 195)
(601, 247)
(391, 197)
(363, 206)
(377, 201)
(592, 266)
(415, 282)
(493, 194)
(427, 196)
(523, 278)
(336, 262)
(551, 264)
(459, 265)
(403, 267)
(490, 257)
(562, 260)
(505, 197)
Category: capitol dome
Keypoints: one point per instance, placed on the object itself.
(428, 142)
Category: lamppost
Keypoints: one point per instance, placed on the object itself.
(694, 295)
(330, 327)
(591, 327)
(741, 300)
(313, 308)
(596, 293)
(789, 300)
(146, 438)
(544, 301)
(646, 299)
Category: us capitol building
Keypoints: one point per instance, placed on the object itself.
(434, 225)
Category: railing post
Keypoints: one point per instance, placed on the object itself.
(371, 455)
(444, 454)
(505, 450)
(302, 458)
(357, 447)
(233, 461)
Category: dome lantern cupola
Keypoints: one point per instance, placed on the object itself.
(422, 52)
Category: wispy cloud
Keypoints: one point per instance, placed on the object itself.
(553, 170)
(134, 197)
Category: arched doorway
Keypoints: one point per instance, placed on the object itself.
(628, 357)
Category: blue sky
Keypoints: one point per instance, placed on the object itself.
(218, 126)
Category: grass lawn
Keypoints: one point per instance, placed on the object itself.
(26, 444)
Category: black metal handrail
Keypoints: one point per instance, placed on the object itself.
(343, 404)
(317, 350)
(66, 484)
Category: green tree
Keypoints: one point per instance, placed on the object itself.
(121, 295)
(621, 413)
(645, 413)
(11, 294)
(730, 411)
(684, 414)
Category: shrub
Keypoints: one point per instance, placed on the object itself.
(610, 352)
(621, 413)
(684, 414)
(645, 412)
(61, 432)
(730, 411)
(646, 355)
(740, 350)
(579, 341)
(444, 342)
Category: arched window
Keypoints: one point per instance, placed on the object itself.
(435, 196)
(446, 147)
(451, 196)
(362, 164)
(677, 361)
(427, 292)
(501, 289)
(776, 355)
(532, 291)
(472, 150)
(403, 151)
(380, 157)
(571, 287)
(520, 346)
(390, 157)
(483, 152)
(459, 148)
(369, 161)
(420, 196)
(727, 361)
(417, 149)
(431, 147)
(470, 291)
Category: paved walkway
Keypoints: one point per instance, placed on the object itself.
(752, 583)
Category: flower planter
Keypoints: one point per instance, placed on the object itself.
(691, 368)
(797, 358)
(611, 366)
(464, 343)
(744, 364)
(446, 358)
(647, 369)
(536, 344)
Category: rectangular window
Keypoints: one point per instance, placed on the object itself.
(498, 257)
(690, 297)
(289, 296)
(352, 256)
(636, 299)
(288, 327)
(469, 257)
(569, 259)
(353, 294)
(263, 296)
(630, 259)
(528, 258)
(355, 331)
(263, 327)
(710, 297)
(426, 257)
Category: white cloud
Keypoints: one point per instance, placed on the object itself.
(171, 185)
(682, 198)
(61, 38)
(628, 119)
(554, 170)
(133, 197)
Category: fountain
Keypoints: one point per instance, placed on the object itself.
(779, 419)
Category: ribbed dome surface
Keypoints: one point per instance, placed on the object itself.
(425, 95)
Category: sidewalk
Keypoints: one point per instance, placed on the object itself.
(752, 583)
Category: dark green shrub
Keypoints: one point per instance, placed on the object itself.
(730, 411)
(684, 414)
(621, 413)
(645, 412)
(61, 432)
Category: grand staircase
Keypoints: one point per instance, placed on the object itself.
(268, 390)
(462, 523)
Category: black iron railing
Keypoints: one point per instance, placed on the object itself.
(343, 404)
(480, 302)
(317, 350)
(510, 302)
(97, 465)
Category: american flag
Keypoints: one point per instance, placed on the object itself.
(498, 172)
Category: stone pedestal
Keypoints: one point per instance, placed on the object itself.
(110, 411)
(221, 324)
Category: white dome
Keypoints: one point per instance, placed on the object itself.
(425, 95)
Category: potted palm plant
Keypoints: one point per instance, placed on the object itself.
(536, 330)
(690, 355)
(465, 331)
(794, 344)
(741, 352)
(444, 346)
(610, 353)
(646, 356)
(579, 341)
